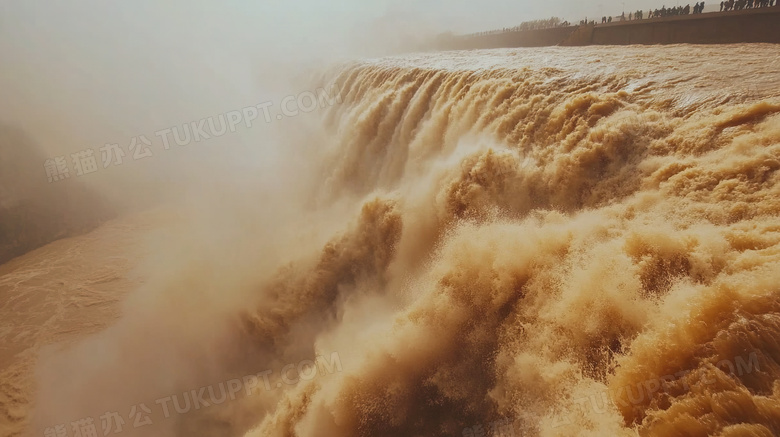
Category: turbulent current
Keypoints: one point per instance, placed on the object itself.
(542, 242)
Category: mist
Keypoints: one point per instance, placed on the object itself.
(82, 76)
(229, 210)
(444, 239)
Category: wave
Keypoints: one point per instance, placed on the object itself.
(568, 242)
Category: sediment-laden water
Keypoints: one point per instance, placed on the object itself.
(541, 242)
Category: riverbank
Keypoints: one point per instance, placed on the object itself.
(746, 26)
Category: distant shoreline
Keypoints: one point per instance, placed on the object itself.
(759, 25)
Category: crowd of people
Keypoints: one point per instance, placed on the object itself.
(738, 5)
(657, 13)
(698, 8)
